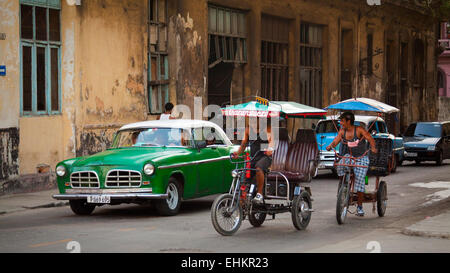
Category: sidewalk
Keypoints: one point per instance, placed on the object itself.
(437, 226)
(22, 201)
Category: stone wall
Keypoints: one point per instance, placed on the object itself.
(444, 108)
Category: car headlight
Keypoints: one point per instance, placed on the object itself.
(149, 169)
(60, 170)
(234, 173)
(431, 148)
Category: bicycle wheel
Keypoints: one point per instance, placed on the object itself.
(342, 201)
(257, 218)
(226, 219)
(382, 199)
(301, 210)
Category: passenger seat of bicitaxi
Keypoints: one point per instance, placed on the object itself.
(302, 156)
(280, 153)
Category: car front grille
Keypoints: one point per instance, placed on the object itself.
(86, 179)
(123, 178)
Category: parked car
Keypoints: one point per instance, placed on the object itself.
(326, 132)
(427, 141)
(164, 161)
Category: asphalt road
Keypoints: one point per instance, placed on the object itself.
(133, 228)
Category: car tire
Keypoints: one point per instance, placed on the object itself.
(440, 158)
(81, 207)
(171, 205)
(394, 167)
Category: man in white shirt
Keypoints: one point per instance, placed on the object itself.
(168, 111)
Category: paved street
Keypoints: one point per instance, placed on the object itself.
(413, 203)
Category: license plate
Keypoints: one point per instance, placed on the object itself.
(99, 199)
(411, 154)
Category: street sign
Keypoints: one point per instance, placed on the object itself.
(2, 70)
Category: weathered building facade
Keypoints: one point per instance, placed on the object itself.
(78, 70)
(444, 72)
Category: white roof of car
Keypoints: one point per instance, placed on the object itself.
(172, 123)
(176, 124)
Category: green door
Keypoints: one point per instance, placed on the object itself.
(209, 165)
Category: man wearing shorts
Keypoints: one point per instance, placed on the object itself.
(353, 143)
(262, 160)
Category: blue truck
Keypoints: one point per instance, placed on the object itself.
(326, 132)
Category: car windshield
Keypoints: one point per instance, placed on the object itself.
(327, 127)
(424, 130)
(149, 137)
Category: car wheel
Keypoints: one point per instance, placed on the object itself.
(81, 207)
(394, 163)
(171, 205)
(440, 158)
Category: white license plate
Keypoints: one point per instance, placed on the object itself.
(99, 199)
(411, 154)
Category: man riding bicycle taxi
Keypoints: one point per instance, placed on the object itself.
(257, 135)
(353, 143)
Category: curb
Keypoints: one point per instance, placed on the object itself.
(428, 234)
(48, 205)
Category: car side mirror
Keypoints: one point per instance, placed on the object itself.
(373, 132)
(201, 144)
(313, 126)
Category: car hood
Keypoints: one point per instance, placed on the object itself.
(325, 139)
(129, 156)
(420, 141)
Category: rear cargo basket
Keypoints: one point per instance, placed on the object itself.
(379, 162)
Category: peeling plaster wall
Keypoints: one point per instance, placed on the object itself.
(112, 66)
(9, 90)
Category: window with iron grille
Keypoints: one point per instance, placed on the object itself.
(40, 51)
(311, 64)
(274, 57)
(158, 67)
(227, 36)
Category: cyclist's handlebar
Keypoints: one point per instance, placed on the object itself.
(242, 156)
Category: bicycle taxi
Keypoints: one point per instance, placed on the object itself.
(380, 164)
(285, 184)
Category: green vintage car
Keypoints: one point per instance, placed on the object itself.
(164, 162)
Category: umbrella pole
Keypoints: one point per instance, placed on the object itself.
(293, 129)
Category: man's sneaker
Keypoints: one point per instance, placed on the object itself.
(258, 198)
(360, 211)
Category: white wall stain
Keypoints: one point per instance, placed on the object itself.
(437, 196)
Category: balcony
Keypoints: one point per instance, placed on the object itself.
(445, 43)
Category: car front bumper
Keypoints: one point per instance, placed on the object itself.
(119, 194)
(326, 160)
(422, 155)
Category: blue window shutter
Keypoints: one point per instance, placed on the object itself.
(43, 3)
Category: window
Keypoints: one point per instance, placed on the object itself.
(274, 57)
(40, 43)
(158, 68)
(369, 54)
(227, 36)
(381, 127)
(311, 64)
